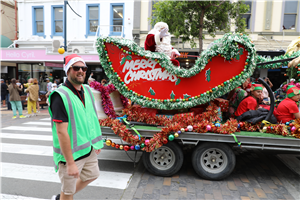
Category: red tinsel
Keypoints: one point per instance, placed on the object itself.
(106, 101)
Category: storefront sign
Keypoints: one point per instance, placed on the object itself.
(38, 55)
(49, 64)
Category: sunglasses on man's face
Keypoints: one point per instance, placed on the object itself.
(77, 68)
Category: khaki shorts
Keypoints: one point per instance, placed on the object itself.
(88, 169)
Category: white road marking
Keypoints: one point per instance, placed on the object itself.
(16, 197)
(39, 150)
(46, 119)
(26, 136)
(38, 123)
(47, 174)
(24, 128)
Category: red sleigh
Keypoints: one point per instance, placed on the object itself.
(150, 79)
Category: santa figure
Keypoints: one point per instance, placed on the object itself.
(159, 40)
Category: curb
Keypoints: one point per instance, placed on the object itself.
(134, 182)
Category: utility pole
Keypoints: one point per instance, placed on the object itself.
(65, 25)
(64, 49)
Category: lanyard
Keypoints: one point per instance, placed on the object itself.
(77, 93)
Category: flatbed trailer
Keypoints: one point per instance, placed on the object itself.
(213, 157)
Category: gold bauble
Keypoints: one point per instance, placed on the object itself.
(108, 142)
(61, 50)
(121, 147)
(176, 134)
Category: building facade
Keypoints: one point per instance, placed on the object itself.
(9, 33)
(41, 33)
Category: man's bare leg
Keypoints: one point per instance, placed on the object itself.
(80, 184)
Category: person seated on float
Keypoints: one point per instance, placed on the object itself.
(236, 96)
(288, 110)
(252, 101)
(159, 40)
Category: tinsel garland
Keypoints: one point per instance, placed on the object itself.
(202, 123)
(199, 123)
(106, 100)
(261, 59)
(227, 47)
(111, 88)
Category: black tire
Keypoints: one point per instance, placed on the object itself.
(213, 161)
(165, 161)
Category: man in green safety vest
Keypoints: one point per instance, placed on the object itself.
(76, 131)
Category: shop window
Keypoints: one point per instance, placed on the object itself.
(92, 19)
(57, 19)
(38, 20)
(290, 15)
(247, 15)
(116, 19)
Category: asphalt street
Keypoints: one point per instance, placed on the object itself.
(27, 171)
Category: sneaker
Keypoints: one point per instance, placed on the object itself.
(56, 197)
(14, 117)
(28, 116)
(33, 115)
(22, 116)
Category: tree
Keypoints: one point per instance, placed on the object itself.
(189, 19)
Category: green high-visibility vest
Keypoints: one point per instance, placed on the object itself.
(83, 128)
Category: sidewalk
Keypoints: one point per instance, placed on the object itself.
(6, 116)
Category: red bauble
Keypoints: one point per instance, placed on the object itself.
(165, 141)
(117, 146)
(126, 148)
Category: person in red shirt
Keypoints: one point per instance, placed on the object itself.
(288, 110)
(250, 102)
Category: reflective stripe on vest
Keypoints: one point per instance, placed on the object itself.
(73, 126)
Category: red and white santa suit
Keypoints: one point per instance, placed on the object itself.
(159, 40)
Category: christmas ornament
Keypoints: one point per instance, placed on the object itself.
(176, 134)
(132, 147)
(182, 130)
(293, 128)
(190, 128)
(147, 142)
(108, 142)
(208, 127)
(121, 147)
(126, 148)
(137, 147)
(171, 137)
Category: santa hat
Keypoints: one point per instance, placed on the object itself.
(292, 91)
(70, 60)
(256, 87)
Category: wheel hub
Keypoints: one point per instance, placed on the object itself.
(162, 158)
(213, 160)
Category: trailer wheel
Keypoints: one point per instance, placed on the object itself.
(165, 161)
(213, 161)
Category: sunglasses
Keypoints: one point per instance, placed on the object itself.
(77, 68)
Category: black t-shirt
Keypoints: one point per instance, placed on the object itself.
(59, 112)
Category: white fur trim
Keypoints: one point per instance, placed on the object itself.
(71, 62)
(176, 52)
(157, 38)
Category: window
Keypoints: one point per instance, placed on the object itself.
(38, 20)
(116, 19)
(92, 13)
(57, 20)
(247, 15)
(290, 14)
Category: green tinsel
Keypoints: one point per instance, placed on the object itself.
(227, 47)
(261, 59)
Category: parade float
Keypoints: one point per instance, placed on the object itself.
(176, 107)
